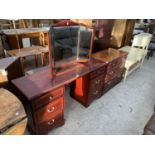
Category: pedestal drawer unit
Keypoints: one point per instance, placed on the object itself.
(89, 87)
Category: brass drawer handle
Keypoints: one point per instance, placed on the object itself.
(96, 92)
(51, 109)
(98, 81)
(51, 122)
(50, 98)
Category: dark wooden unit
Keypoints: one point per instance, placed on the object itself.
(43, 98)
(122, 32)
(115, 61)
(89, 87)
(103, 29)
(10, 68)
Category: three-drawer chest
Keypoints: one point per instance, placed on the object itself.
(115, 62)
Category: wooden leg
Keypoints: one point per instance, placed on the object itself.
(36, 60)
(125, 74)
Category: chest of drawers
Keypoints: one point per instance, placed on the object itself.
(115, 61)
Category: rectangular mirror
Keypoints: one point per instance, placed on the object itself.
(69, 43)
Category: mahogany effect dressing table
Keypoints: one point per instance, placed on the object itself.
(43, 97)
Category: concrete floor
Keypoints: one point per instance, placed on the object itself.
(124, 110)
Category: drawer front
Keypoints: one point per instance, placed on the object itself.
(96, 87)
(46, 126)
(50, 111)
(96, 82)
(95, 93)
(47, 98)
(97, 72)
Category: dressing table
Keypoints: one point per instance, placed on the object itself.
(44, 98)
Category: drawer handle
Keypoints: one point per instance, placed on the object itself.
(50, 98)
(51, 122)
(98, 81)
(96, 92)
(51, 109)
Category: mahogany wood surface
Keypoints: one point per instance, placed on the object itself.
(39, 83)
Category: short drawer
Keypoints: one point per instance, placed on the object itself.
(47, 98)
(97, 72)
(96, 82)
(46, 126)
(95, 93)
(49, 111)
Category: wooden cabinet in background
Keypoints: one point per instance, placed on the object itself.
(103, 29)
(10, 68)
(122, 32)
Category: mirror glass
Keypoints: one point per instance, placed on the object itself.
(70, 44)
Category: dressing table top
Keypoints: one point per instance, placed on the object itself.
(38, 83)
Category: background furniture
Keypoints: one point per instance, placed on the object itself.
(103, 29)
(115, 61)
(43, 98)
(30, 51)
(10, 68)
(134, 59)
(13, 119)
(35, 35)
(122, 32)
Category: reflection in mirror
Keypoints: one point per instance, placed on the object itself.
(70, 44)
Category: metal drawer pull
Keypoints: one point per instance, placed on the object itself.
(98, 81)
(51, 122)
(51, 109)
(95, 92)
(51, 97)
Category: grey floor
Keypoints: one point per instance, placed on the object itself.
(124, 110)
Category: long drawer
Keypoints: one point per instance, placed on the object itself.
(97, 72)
(47, 98)
(49, 124)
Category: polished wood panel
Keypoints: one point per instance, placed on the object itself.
(40, 82)
(122, 32)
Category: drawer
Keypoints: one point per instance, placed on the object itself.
(47, 98)
(97, 72)
(95, 93)
(50, 111)
(96, 82)
(46, 126)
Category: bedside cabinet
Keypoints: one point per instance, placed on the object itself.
(115, 61)
(48, 110)
(89, 87)
(45, 111)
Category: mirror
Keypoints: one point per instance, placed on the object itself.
(69, 43)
